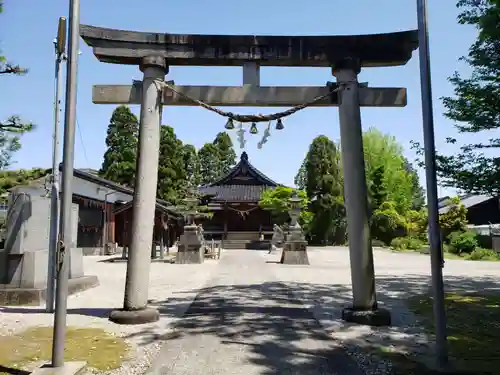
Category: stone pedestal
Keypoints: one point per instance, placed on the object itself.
(295, 248)
(24, 260)
(190, 250)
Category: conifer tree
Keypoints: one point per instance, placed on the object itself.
(119, 162)
(171, 168)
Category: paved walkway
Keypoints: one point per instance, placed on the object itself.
(246, 322)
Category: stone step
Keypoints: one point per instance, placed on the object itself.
(243, 236)
(245, 244)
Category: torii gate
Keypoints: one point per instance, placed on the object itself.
(153, 53)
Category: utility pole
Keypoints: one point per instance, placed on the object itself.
(437, 260)
(67, 187)
(60, 50)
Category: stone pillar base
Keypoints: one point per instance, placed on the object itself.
(142, 316)
(376, 317)
(295, 252)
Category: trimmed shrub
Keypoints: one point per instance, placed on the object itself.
(462, 242)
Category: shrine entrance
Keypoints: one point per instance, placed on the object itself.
(154, 53)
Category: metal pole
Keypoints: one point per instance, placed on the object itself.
(432, 197)
(67, 187)
(54, 195)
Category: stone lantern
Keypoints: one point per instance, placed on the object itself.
(295, 247)
(190, 248)
(295, 208)
(190, 204)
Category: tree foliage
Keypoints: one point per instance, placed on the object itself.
(377, 192)
(383, 150)
(191, 165)
(324, 190)
(208, 157)
(475, 106)
(300, 179)
(7, 67)
(455, 219)
(121, 141)
(277, 202)
(227, 156)
(171, 168)
(13, 126)
(10, 179)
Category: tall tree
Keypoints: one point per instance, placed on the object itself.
(191, 166)
(475, 106)
(324, 189)
(377, 190)
(171, 169)
(384, 150)
(227, 156)
(300, 179)
(208, 157)
(121, 141)
(417, 191)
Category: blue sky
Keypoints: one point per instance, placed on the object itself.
(28, 27)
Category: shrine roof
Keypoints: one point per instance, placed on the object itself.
(243, 183)
(235, 193)
(129, 47)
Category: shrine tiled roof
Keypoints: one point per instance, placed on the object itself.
(235, 193)
(243, 183)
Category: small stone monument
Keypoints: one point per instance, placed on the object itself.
(295, 246)
(190, 250)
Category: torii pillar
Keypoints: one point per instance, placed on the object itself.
(364, 309)
(135, 306)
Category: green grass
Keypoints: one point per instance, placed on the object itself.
(488, 257)
(473, 322)
(99, 349)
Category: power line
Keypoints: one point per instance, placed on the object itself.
(81, 140)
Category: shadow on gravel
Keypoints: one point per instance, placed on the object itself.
(273, 321)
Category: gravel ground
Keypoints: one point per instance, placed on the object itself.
(255, 316)
(172, 289)
(246, 322)
(325, 288)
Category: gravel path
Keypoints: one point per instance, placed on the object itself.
(254, 316)
(173, 287)
(245, 322)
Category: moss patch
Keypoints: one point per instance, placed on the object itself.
(98, 348)
(473, 328)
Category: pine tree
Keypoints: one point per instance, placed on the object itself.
(121, 141)
(171, 168)
(227, 156)
(13, 126)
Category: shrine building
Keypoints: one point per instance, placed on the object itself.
(234, 202)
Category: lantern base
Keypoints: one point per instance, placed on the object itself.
(295, 252)
(190, 250)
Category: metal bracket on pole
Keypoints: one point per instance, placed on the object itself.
(61, 248)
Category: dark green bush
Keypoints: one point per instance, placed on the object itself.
(462, 242)
(483, 254)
